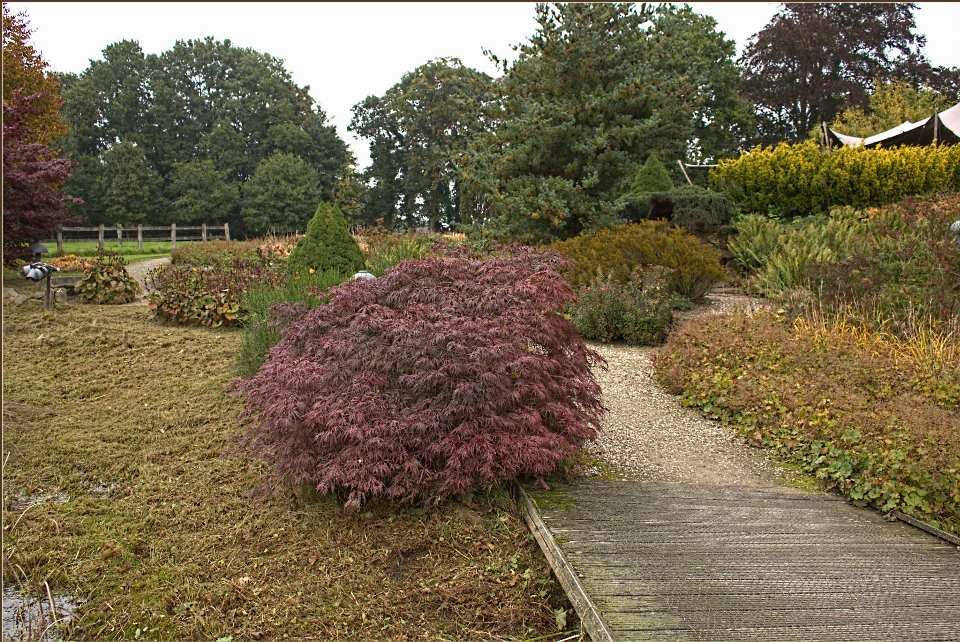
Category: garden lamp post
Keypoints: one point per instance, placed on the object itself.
(39, 270)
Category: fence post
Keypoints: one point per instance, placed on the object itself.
(100, 236)
(203, 232)
(120, 235)
(226, 231)
(60, 241)
(173, 236)
(139, 238)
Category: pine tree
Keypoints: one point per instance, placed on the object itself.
(327, 245)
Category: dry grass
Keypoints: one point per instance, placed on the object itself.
(163, 536)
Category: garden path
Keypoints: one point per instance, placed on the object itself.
(141, 271)
(696, 538)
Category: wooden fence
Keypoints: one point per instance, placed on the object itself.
(174, 234)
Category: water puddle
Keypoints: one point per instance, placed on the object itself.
(22, 501)
(27, 619)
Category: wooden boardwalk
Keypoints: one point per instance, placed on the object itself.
(662, 562)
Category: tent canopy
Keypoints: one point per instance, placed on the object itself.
(943, 127)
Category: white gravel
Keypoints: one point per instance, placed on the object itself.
(647, 435)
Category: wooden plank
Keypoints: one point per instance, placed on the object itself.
(589, 615)
(933, 530)
(675, 562)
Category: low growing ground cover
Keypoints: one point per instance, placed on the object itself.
(117, 492)
(872, 415)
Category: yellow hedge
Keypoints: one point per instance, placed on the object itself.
(796, 180)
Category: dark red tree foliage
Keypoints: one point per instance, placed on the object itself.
(32, 203)
(443, 376)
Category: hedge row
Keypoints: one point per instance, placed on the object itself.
(798, 180)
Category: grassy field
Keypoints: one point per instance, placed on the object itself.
(122, 497)
(90, 248)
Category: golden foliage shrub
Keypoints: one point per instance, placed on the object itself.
(617, 251)
(797, 180)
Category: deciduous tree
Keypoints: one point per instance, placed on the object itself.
(33, 205)
(281, 196)
(813, 60)
(891, 103)
(417, 131)
(25, 70)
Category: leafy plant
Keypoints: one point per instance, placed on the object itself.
(619, 250)
(386, 250)
(207, 296)
(107, 281)
(639, 311)
(877, 423)
(327, 245)
(445, 375)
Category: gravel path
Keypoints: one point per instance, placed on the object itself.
(141, 271)
(647, 435)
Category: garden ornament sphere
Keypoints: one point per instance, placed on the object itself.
(955, 228)
(364, 275)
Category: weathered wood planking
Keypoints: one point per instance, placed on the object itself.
(684, 562)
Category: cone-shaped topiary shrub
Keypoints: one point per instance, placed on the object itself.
(652, 177)
(327, 245)
(443, 376)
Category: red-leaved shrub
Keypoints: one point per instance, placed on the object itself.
(445, 375)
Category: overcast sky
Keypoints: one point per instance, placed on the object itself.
(347, 51)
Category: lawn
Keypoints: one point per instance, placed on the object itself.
(121, 495)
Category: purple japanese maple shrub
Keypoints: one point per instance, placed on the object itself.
(445, 375)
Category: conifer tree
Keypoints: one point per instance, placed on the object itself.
(327, 245)
(652, 177)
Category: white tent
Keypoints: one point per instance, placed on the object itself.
(942, 128)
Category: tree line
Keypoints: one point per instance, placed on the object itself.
(211, 132)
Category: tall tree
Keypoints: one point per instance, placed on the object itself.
(25, 70)
(417, 131)
(128, 188)
(580, 112)
(200, 193)
(683, 44)
(33, 205)
(203, 100)
(281, 196)
(813, 60)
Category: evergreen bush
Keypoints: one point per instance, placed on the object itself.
(652, 177)
(690, 206)
(617, 251)
(442, 376)
(327, 245)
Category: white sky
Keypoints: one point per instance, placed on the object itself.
(347, 51)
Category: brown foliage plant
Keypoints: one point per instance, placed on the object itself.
(443, 376)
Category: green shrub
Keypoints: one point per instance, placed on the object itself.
(258, 335)
(638, 311)
(107, 281)
(617, 251)
(652, 177)
(693, 207)
(799, 180)
(209, 296)
(327, 245)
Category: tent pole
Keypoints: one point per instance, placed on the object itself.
(936, 126)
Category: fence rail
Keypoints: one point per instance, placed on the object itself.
(207, 232)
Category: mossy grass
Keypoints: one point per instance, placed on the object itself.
(120, 490)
